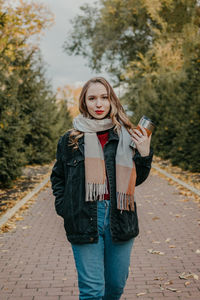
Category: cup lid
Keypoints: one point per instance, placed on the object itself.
(146, 118)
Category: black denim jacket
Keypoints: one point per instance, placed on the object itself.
(68, 184)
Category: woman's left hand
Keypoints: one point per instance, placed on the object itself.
(142, 141)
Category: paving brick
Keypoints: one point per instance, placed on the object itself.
(39, 265)
(46, 298)
(20, 298)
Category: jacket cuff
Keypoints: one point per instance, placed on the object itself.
(143, 160)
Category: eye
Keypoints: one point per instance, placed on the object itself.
(91, 98)
(105, 97)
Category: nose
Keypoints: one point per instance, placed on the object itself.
(98, 103)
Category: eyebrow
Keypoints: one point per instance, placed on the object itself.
(100, 95)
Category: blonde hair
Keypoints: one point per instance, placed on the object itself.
(116, 113)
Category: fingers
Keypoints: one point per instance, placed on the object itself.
(142, 140)
(143, 130)
(135, 136)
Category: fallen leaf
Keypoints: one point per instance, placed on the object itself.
(156, 242)
(187, 283)
(25, 227)
(196, 277)
(161, 288)
(172, 246)
(168, 282)
(19, 218)
(189, 275)
(150, 213)
(155, 252)
(177, 216)
(155, 218)
(158, 278)
(184, 200)
(140, 294)
(173, 290)
(167, 240)
(197, 251)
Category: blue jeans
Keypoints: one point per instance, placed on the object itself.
(102, 267)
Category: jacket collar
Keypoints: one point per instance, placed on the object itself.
(112, 135)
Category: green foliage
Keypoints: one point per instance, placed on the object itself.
(30, 120)
(152, 48)
(186, 144)
(12, 127)
(40, 109)
(110, 34)
(173, 103)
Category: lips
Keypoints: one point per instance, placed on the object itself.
(99, 111)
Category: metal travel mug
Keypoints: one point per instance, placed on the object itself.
(148, 126)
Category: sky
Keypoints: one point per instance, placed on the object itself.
(62, 68)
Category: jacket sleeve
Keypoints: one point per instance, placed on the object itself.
(58, 180)
(143, 166)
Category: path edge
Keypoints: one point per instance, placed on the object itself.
(10, 213)
(16, 207)
(189, 187)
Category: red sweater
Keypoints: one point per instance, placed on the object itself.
(103, 138)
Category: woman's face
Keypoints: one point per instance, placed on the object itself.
(96, 100)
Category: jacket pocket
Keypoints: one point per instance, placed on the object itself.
(75, 167)
(134, 226)
(76, 210)
(59, 206)
(126, 224)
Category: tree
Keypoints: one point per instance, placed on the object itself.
(69, 94)
(110, 34)
(17, 23)
(152, 48)
(38, 107)
(30, 120)
(186, 144)
(12, 128)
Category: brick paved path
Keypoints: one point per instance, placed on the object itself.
(36, 261)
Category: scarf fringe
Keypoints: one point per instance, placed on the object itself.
(125, 202)
(96, 191)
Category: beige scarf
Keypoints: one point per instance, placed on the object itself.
(95, 173)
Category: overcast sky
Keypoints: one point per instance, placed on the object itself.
(61, 68)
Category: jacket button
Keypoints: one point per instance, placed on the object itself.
(91, 239)
(91, 219)
(75, 161)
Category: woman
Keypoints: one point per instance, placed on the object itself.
(93, 180)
